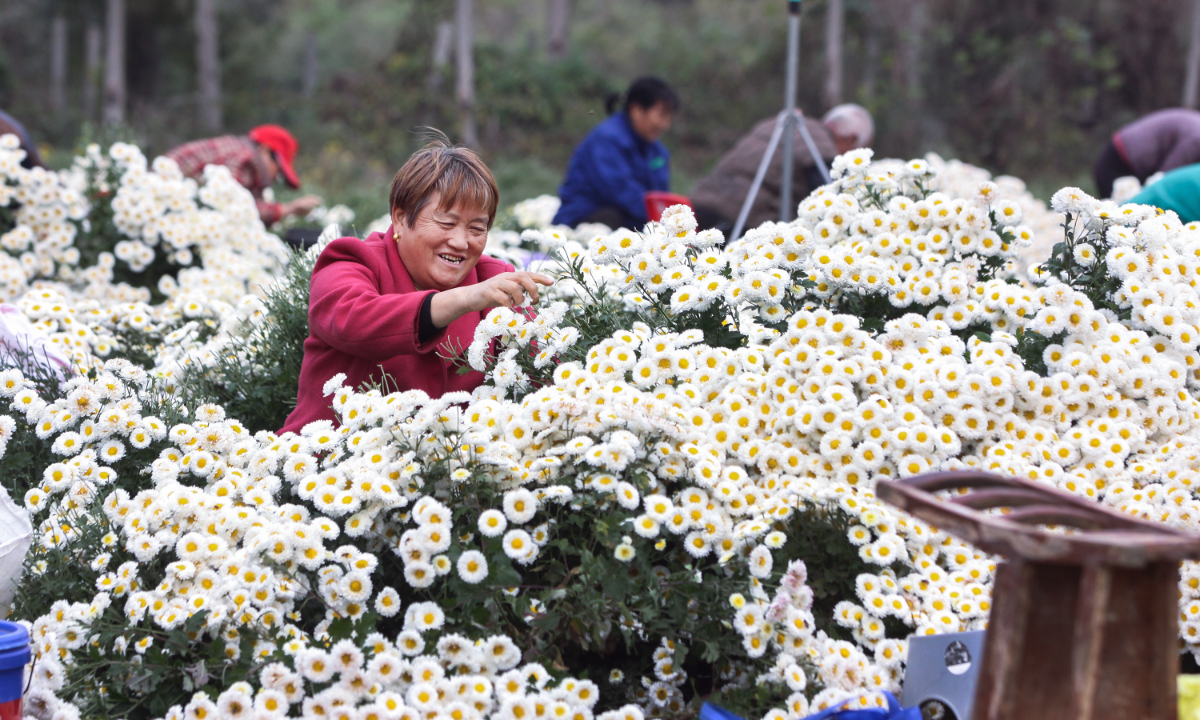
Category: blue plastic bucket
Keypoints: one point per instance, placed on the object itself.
(14, 656)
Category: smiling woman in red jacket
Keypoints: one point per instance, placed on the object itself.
(396, 301)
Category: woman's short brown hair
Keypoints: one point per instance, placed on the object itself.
(453, 171)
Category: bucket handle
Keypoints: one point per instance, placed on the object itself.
(29, 683)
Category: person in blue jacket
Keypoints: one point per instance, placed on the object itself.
(620, 160)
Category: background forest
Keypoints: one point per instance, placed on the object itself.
(1028, 87)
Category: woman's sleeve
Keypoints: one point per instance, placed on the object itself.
(346, 311)
(614, 168)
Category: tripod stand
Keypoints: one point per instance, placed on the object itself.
(785, 122)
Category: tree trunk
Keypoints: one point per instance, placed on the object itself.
(870, 75)
(466, 72)
(443, 46)
(114, 63)
(835, 16)
(310, 69)
(1191, 84)
(208, 65)
(558, 28)
(93, 43)
(912, 35)
(58, 63)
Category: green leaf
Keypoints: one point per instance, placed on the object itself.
(501, 572)
(341, 629)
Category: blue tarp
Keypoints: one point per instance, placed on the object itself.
(708, 711)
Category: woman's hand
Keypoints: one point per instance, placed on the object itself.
(509, 289)
(299, 206)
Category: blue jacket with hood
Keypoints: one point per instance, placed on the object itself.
(613, 167)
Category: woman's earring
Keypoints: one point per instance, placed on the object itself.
(396, 235)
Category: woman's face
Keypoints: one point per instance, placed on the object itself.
(442, 245)
(650, 123)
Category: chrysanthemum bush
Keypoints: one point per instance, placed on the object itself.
(58, 234)
(664, 492)
(249, 360)
(117, 228)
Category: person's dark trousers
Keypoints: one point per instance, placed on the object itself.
(614, 217)
(1110, 166)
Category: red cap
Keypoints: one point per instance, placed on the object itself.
(284, 146)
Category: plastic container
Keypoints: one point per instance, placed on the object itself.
(16, 534)
(14, 656)
(657, 201)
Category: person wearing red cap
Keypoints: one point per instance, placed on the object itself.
(255, 160)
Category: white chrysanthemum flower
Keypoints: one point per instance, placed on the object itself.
(518, 544)
(1071, 199)
(519, 506)
(492, 523)
(472, 566)
(624, 552)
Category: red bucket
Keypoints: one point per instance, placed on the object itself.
(657, 201)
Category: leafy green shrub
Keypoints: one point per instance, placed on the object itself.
(256, 377)
(27, 455)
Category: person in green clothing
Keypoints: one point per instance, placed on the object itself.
(1178, 190)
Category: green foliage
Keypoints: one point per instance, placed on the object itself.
(59, 570)
(599, 315)
(1093, 279)
(56, 573)
(257, 378)
(147, 685)
(520, 177)
(533, 97)
(1035, 90)
(1031, 346)
(7, 221)
(604, 613)
(26, 455)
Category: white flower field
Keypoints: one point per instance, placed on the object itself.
(663, 494)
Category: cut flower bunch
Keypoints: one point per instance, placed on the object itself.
(662, 494)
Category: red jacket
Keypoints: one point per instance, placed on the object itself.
(363, 316)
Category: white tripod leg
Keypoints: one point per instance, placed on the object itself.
(776, 134)
(812, 147)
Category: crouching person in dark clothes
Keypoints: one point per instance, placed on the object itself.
(718, 196)
(10, 126)
(1159, 142)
